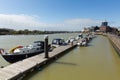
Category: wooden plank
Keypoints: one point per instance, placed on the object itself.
(5, 75)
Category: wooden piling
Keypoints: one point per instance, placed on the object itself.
(46, 46)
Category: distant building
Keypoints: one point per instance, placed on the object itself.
(104, 24)
(89, 29)
(104, 27)
(118, 28)
(86, 30)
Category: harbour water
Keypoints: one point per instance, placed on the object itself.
(8, 42)
(98, 61)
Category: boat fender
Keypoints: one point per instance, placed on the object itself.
(1, 51)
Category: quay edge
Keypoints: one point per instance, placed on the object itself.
(112, 41)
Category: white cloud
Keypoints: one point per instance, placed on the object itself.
(19, 21)
(77, 24)
(82, 22)
(32, 22)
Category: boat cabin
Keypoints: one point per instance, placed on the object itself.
(39, 43)
(58, 41)
(80, 36)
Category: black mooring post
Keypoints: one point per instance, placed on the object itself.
(46, 46)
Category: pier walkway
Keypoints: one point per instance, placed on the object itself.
(20, 68)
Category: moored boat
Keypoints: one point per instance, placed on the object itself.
(82, 42)
(22, 52)
(58, 42)
(80, 36)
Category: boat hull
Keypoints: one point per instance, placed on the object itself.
(18, 57)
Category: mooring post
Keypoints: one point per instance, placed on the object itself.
(46, 46)
(71, 43)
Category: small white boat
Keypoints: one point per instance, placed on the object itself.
(58, 42)
(80, 36)
(82, 42)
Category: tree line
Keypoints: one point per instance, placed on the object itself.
(5, 31)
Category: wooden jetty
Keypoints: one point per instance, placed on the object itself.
(19, 69)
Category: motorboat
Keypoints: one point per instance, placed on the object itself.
(80, 36)
(71, 39)
(58, 42)
(82, 42)
(22, 52)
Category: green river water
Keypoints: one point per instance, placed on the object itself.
(97, 61)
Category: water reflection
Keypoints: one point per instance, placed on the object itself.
(66, 63)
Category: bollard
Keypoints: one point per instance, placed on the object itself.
(46, 46)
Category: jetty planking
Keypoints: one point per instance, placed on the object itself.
(21, 68)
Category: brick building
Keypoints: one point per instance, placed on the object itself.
(104, 27)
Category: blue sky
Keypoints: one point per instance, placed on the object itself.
(58, 14)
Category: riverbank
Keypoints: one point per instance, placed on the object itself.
(5, 31)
